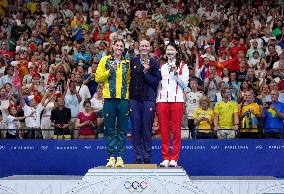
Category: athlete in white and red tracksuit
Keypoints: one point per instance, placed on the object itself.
(170, 102)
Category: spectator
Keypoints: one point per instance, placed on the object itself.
(82, 55)
(211, 84)
(98, 100)
(253, 49)
(192, 76)
(71, 101)
(252, 62)
(249, 114)
(86, 122)
(273, 41)
(242, 73)
(273, 115)
(60, 119)
(203, 119)
(272, 57)
(13, 124)
(116, 94)
(225, 75)
(2, 125)
(260, 71)
(252, 80)
(234, 85)
(82, 89)
(47, 103)
(191, 103)
(264, 92)
(8, 77)
(89, 79)
(226, 120)
(32, 120)
(218, 96)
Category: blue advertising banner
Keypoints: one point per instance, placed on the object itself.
(251, 157)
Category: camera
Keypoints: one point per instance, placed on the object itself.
(267, 104)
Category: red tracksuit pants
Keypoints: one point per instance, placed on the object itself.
(170, 117)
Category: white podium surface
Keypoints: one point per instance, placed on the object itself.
(130, 180)
(139, 179)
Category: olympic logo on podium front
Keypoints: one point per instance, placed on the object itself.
(135, 186)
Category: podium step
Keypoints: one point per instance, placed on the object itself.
(154, 182)
(148, 178)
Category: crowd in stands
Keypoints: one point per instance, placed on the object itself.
(50, 51)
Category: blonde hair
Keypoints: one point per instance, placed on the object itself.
(204, 99)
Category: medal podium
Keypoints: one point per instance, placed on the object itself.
(148, 179)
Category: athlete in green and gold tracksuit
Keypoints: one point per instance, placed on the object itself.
(114, 72)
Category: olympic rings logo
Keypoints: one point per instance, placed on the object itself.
(135, 186)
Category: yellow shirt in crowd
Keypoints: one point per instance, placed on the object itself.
(254, 107)
(209, 114)
(225, 111)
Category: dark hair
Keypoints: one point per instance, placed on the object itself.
(7, 69)
(10, 107)
(8, 84)
(72, 82)
(237, 77)
(223, 91)
(124, 52)
(255, 52)
(271, 45)
(241, 87)
(223, 71)
(102, 42)
(178, 56)
(119, 40)
(57, 97)
(87, 101)
(120, 27)
(193, 79)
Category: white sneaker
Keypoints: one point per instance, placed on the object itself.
(119, 162)
(165, 163)
(173, 163)
(111, 162)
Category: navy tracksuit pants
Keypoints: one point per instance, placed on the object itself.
(142, 117)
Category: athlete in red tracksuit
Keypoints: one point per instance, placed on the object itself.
(170, 101)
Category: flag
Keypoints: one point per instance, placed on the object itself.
(231, 64)
(23, 69)
(211, 62)
(204, 73)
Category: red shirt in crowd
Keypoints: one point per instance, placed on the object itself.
(87, 129)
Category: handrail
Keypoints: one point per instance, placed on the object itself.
(212, 131)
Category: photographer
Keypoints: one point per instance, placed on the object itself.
(273, 115)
